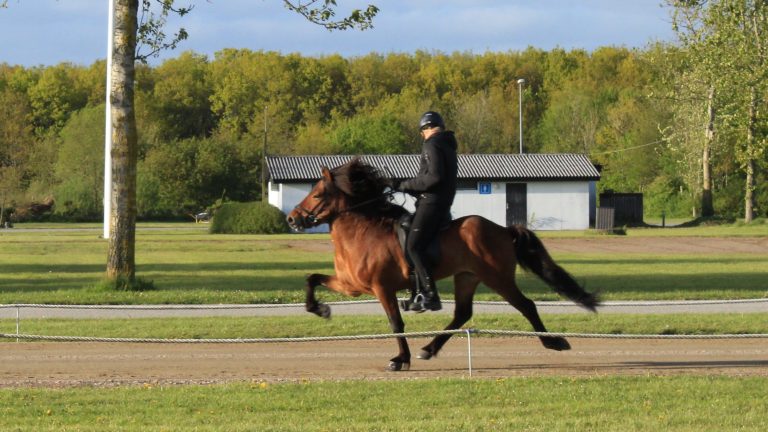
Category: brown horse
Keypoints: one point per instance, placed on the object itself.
(369, 260)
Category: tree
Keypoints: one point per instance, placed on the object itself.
(121, 266)
(695, 94)
(80, 184)
(743, 29)
(726, 39)
(121, 253)
(180, 101)
(16, 140)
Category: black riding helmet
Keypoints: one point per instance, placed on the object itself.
(431, 119)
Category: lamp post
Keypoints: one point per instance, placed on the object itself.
(520, 83)
(108, 126)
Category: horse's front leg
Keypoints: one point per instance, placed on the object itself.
(312, 305)
(402, 362)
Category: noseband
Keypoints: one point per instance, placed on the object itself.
(312, 215)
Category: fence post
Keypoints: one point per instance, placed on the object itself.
(17, 321)
(469, 351)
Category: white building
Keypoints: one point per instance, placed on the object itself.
(541, 191)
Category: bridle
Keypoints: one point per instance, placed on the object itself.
(312, 215)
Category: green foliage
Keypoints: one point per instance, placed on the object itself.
(79, 168)
(188, 176)
(667, 196)
(248, 218)
(202, 122)
(368, 135)
(54, 97)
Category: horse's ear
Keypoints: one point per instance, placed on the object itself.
(327, 174)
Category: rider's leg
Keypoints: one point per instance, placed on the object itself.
(425, 226)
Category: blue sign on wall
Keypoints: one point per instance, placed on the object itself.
(484, 188)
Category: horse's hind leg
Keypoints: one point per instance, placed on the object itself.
(312, 305)
(511, 293)
(465, 286)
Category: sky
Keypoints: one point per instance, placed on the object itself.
(47, 32)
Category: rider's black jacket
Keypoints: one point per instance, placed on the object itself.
(436, 181)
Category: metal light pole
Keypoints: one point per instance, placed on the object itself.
(520, 83)
(108, 126)
(264, 192)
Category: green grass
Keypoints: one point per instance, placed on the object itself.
(309, 325)
(188, 265)
(673, 403)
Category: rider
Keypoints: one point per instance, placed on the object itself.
(434, 187)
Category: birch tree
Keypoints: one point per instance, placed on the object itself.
(695, 109)
(726, 43)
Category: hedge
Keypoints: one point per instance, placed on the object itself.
(248, 218)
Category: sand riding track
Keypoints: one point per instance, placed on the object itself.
(65, 364)
(107, 364)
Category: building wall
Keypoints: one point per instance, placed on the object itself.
(550, 205)
(558, 205)
(492, 206)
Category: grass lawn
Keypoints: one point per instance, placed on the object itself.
(672, 403)
(188, 265)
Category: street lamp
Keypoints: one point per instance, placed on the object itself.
(520, 83)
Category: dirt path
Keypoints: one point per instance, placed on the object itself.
(107, 365)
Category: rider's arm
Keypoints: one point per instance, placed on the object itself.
(434, 173)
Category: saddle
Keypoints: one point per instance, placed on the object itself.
(403, 228)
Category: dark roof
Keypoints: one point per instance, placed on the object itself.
(540, 166)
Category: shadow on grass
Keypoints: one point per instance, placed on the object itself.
(657, 286)
(664, 261)
(264, 279)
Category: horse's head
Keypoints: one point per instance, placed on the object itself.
(318, 207)
(353, 187)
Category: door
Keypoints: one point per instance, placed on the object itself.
(517, 209)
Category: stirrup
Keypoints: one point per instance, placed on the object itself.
(422, 304)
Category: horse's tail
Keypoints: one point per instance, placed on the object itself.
(533, 256)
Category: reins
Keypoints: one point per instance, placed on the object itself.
(366, 202)
(313, 218)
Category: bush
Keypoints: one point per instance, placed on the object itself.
(248, 218)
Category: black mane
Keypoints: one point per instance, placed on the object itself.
(364, 185)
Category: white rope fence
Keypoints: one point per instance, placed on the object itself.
(355, 302)
(464, 332)
(509, 333)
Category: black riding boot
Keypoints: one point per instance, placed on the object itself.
(427, 298)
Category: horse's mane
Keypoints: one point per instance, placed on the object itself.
(364, 186)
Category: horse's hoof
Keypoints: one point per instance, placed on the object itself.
(556, 343)
(324, 311)
(398, 366)
(424, 355)
(321, 310)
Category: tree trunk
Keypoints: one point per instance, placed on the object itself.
(121, 263)
(707, 207)
(749, 199)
